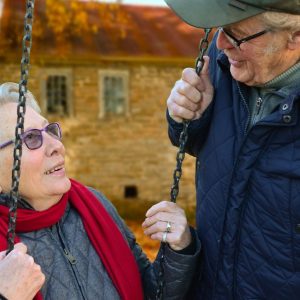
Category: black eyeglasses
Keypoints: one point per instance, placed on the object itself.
(33, 138)
(235, 42)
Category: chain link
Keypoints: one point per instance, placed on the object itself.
(179, 160)
(21, 109)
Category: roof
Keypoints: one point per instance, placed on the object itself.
(122, 31)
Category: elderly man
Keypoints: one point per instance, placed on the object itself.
(245, 134)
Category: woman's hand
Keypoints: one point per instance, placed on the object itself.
(20, 276)
(191, 95)
(167, 222)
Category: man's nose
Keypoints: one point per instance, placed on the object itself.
(223, 42)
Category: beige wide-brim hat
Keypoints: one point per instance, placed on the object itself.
(215, 13)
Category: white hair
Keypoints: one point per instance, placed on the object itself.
(9, 93)
(281, 21)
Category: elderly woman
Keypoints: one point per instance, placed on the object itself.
(245, 134)
(73, 232)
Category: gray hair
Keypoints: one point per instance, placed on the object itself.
(9, 93)
(281, 21)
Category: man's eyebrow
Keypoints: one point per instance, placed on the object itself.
(236, 30)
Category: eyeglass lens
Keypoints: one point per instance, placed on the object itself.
(231, 40)
(33, 138)
(54, 130)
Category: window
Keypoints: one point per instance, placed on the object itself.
(56, 92)
(113, 93)
(57, 95)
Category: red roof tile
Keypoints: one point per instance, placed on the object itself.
(144, 31)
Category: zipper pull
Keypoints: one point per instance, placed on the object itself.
(70, 257)
(258, 105)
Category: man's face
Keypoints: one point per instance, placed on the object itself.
(36, 184)
(261, 59)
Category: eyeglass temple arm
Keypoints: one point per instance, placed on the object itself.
(254, 36)
(6, 144)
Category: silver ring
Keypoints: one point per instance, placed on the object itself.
(168, 229)
(164, 237)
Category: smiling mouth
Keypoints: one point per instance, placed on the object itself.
(58, 168)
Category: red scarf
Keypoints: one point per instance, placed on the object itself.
(102, 231)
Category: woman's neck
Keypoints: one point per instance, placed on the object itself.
(44, 204)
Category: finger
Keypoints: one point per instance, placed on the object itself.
(164, 237)
(37, 268)
(205, 70)
(2, 254)
(160, 236)
(183, 101)
(159, 217)
(159, 226)
(30, 260)
(190, 76)
(208, 89)
(166, 206)
(195, 80)
(179, 112)
(175, 219)
(190, 92)
(21, 247)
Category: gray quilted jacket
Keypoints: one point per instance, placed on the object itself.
(74, 271)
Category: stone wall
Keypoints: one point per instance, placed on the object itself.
(112, 153)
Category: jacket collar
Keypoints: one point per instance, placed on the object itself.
(22, 203)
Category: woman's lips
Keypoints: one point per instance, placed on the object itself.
(59, 173)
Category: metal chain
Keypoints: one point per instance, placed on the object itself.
(179, 159)
(14, 193)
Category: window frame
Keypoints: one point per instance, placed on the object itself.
(124, 74)
(66, 72)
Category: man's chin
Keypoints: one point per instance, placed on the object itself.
(240, 76)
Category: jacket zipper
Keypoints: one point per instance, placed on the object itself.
(259, 102)
(71, 259)
(234, 167)
(247, 108)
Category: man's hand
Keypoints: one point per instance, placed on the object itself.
(191, 95)
(20, 276)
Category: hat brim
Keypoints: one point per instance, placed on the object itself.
(211, 13)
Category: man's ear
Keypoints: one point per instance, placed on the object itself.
(294, 41)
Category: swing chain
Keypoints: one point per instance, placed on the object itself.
(179, 159)
(203, 46)
(14, 193)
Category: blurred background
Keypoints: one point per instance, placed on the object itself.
(104, 70)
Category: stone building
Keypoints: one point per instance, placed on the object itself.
(108, 86)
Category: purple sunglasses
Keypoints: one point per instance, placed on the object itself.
(33, 138)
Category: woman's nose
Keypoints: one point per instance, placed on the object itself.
(223, 42)
(53, 145)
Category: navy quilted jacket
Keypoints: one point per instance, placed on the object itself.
(248, 194)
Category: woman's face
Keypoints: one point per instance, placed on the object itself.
(38, 186)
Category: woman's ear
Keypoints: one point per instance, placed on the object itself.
(294, 41)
